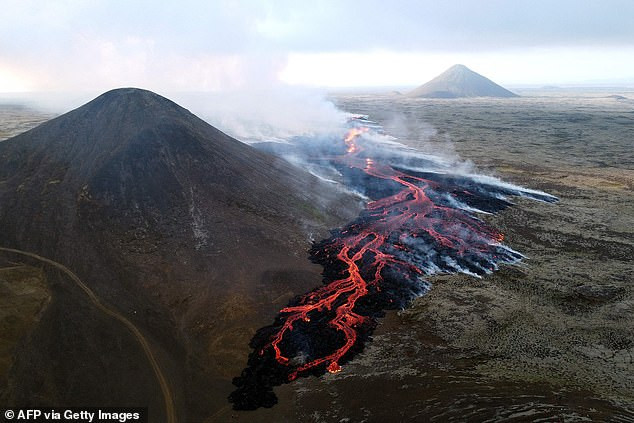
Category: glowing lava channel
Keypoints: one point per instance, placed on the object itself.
(408, 214)
(416, 227)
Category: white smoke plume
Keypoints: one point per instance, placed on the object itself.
(262, 115)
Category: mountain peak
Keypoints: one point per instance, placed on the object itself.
(132, 146)
(127, 91)
(129, 94)
(460, 81)
(121, 100)
(137, 158)
(112, 121)
(459, 67)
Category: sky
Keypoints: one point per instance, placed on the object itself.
(214, 45)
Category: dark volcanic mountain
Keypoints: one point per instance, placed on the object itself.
(460, 81)
(197, 238)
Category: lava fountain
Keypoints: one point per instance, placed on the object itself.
(418, 223)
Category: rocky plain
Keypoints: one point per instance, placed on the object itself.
(549, 339)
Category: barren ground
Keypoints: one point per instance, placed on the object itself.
(550, 339)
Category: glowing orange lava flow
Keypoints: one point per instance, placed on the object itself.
(351, 138)
(422, 221)
(365, 255)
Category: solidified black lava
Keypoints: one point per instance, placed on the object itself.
(418, 224)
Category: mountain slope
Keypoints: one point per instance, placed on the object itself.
(195, 237)
(460, 81)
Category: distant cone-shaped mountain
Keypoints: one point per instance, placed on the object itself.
(460, 81)
(196, 237)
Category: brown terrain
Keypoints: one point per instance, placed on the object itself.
(16, 118)
(150, 236)
(551, 339)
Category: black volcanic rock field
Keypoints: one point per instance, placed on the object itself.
(550, 339)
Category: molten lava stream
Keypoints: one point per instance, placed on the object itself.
(421, 223)
(345, 291)
(408, 213)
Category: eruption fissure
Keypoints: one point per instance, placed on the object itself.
(416, 225)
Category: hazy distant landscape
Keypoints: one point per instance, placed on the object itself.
(18, 118)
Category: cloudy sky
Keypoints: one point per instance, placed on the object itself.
(214, 45)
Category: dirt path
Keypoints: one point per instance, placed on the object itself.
(167, 393)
